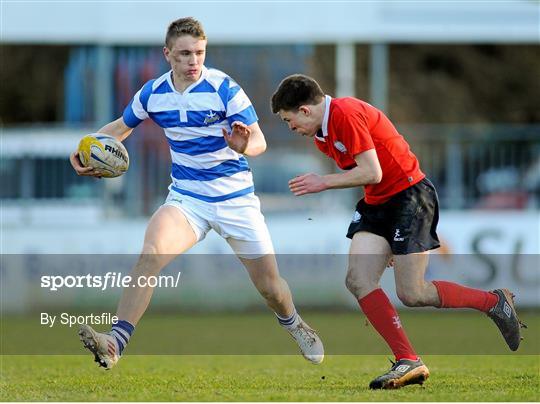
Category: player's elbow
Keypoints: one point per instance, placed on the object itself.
(262, 147)
(375, 176)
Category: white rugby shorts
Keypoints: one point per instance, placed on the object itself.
(238, 220)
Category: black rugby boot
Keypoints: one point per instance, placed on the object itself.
(504, 316)
(402, 373)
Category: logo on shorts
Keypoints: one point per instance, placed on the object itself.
(340, 146)
(356, 217)
(397, 236)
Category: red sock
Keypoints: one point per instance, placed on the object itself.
(384, 318)
(453, 295)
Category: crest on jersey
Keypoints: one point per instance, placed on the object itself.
(340, 146)
(211, 117)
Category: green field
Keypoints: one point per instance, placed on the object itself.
(247, 357)
(262, 378)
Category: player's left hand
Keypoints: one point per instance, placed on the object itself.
(238, 138)
(307, 184)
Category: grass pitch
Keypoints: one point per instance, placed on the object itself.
(262, 378)
(249, 358)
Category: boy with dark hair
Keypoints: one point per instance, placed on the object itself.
(396, 219)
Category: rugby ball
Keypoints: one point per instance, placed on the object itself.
(105, 154)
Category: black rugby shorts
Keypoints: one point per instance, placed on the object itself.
(408, 220)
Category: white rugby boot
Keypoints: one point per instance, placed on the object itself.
(102, 345)
(308, 341)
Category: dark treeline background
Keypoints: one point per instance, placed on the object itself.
(427, 83)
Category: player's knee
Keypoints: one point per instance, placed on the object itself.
(410, 299)
(150, 249)
(152, 258)
(272, 288)
(353, 284)
(273, 294)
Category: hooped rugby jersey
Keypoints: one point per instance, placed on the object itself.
(203, 165)
(351, 126)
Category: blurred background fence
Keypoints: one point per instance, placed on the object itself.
(486, 166)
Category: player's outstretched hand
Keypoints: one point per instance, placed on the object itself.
(307, 184)
(238, 138)
(79, 168)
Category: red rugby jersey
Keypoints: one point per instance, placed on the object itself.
(350, 127)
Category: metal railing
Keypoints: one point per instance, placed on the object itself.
(472, 166)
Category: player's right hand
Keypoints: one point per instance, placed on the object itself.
(79, 168)
(307, 184)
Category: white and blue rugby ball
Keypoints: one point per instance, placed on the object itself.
(104, 154)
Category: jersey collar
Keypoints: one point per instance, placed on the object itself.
(323, 132)
(204, 74)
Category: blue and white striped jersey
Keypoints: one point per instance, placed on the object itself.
(203, 165)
